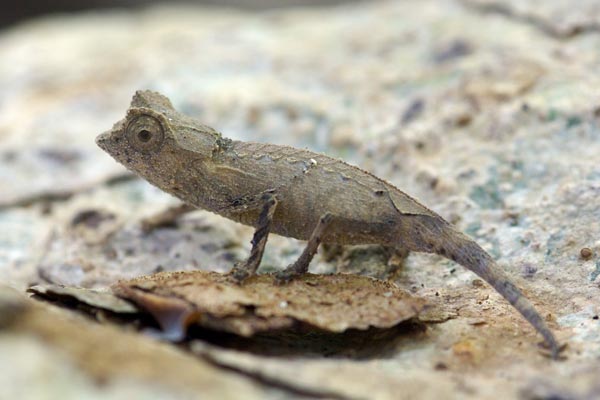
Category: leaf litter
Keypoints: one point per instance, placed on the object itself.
(323, 314)
(332, 303)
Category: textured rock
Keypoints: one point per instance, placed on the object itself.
(69, 357)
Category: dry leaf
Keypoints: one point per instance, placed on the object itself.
(333, 303)
(90, 297)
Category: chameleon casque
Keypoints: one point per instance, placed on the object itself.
(290, 192)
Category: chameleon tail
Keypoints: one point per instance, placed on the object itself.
(469, 254)
(435, 235)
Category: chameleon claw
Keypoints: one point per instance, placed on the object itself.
(286, 276)
(239, 273)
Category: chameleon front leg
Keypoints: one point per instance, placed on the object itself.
(301, 265)
(248, 268)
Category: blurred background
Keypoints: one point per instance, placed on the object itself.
(31, 8)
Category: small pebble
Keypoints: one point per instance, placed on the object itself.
(440, 366)
(586, 253)
(477, 283)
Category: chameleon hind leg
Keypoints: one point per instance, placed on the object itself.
(248, 268)
(301, 265)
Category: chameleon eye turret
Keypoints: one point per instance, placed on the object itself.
(145, 133)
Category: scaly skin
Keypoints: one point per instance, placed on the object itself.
(291, 192)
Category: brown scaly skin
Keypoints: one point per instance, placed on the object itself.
(291, 192)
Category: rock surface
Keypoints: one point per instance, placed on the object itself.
(486, 111)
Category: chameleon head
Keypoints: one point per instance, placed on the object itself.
(141, 141)
(157, 142)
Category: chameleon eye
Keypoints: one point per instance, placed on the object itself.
(145, 134)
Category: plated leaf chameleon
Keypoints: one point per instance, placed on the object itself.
(291, 192)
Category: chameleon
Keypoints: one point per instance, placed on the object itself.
(291, 192)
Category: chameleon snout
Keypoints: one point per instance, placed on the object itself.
(102, 140)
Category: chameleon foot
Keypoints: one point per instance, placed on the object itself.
(240, 272)
(287, 275)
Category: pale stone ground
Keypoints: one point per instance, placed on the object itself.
(486, 111)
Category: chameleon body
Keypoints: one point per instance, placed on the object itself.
(291, 192)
